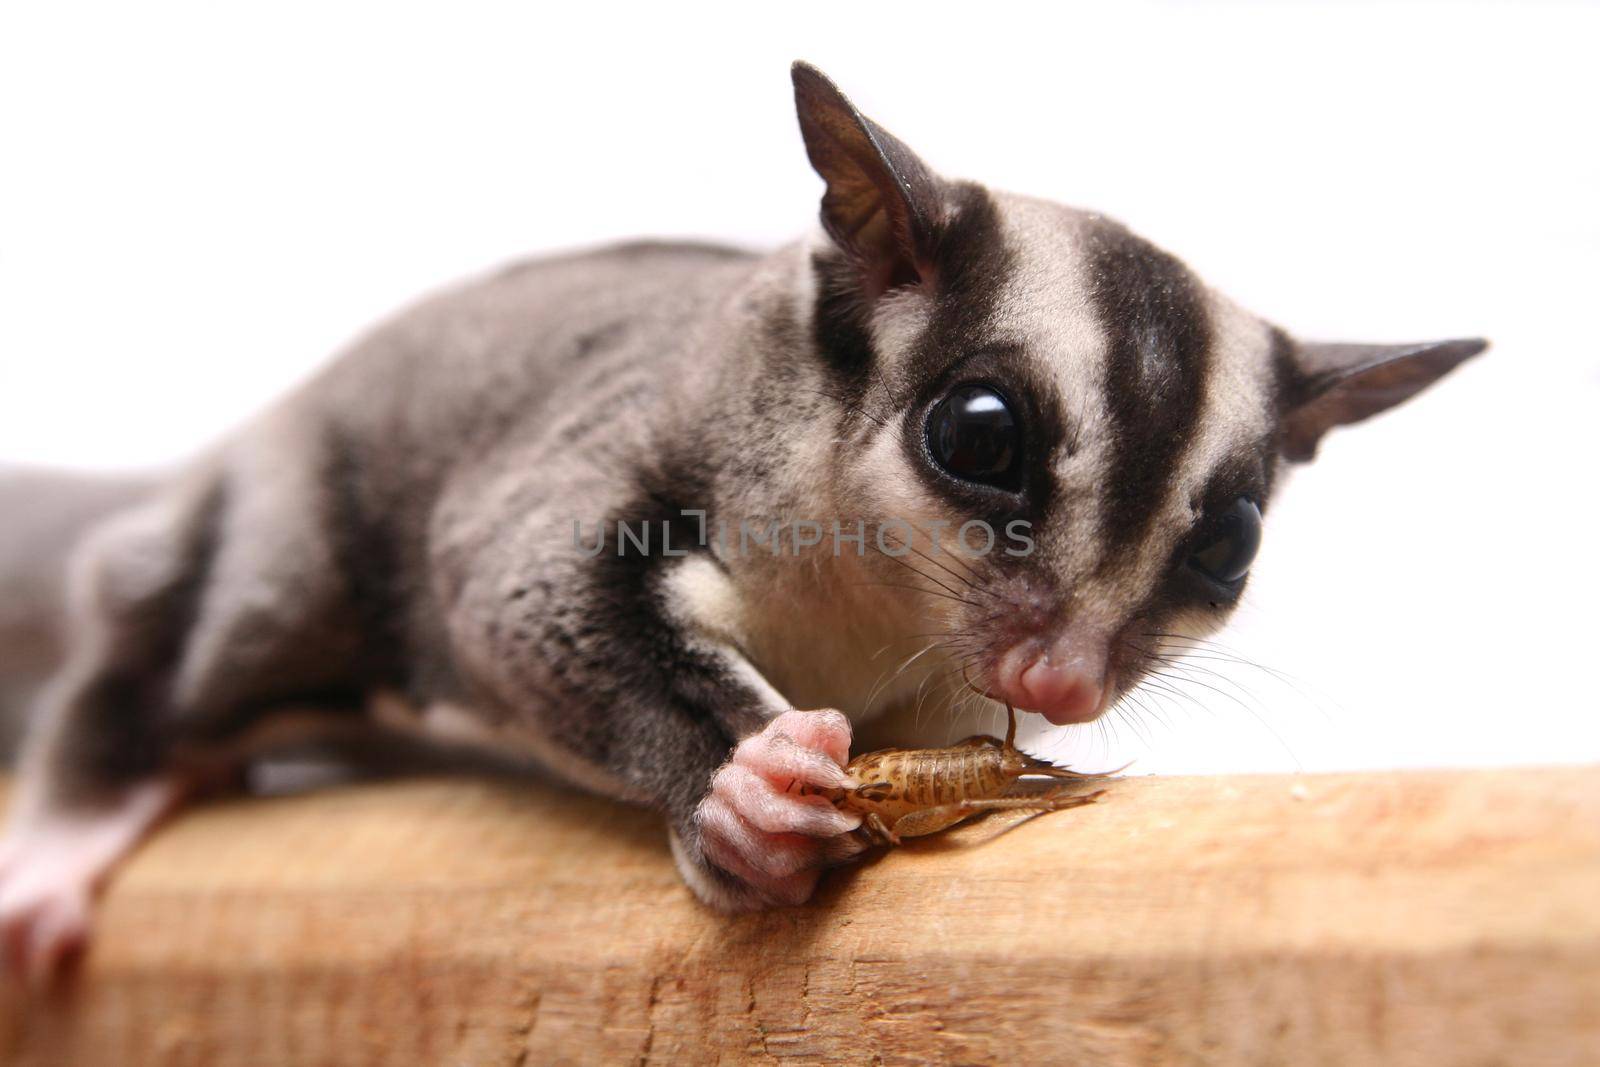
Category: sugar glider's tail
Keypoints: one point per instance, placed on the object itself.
(43, 514)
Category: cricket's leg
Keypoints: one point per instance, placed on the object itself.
(932, 820)
(877, 831)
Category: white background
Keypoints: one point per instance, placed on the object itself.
(198, 205)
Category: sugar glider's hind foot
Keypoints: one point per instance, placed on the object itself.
(44, 925)
(53, 861)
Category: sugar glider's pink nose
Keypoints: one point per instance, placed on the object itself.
(1065, 682)
(1061, 693)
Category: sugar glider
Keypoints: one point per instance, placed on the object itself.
(622, 513)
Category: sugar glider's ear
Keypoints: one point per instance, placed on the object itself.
(883, 205)
(1330, 385)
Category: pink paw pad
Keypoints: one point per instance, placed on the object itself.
(756, 825)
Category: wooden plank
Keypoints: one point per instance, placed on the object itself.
(1428, 918)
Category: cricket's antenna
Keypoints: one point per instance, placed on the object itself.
(1011, 712)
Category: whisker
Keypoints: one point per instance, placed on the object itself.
(1224, 652)
(923, 574)
(954, 557)
(848, 406)
(1215, 651)
(1248, 709)
(954, 574)
(1189, 668)
(904, 667)
(919, 589)
(1077, 428)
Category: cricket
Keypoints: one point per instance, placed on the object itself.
(914, 792)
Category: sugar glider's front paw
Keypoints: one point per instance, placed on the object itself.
(757, 826)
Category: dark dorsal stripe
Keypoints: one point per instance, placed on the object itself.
(1154, 317)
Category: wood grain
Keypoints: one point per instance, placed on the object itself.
(1427, 918)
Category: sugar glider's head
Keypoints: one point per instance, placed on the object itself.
(1077, 437)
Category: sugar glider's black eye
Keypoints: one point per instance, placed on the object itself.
(973, 434)
(1231, 543)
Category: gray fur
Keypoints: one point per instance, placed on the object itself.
(397, 534)
(45, 512)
